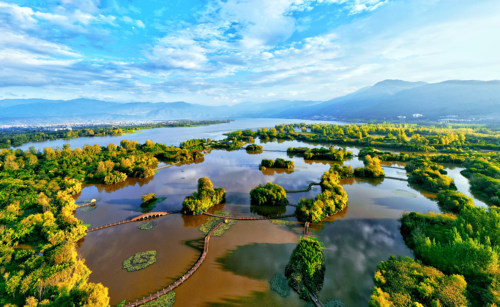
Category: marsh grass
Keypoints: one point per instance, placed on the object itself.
(147, 226)
(139, 261)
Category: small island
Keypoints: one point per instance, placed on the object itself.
(205, 198)
(331, 200)
(278, 163)
(306, 269)
(269, 195)
(372, 168)
(254, 148)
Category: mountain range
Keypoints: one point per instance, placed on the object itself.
(386, 100)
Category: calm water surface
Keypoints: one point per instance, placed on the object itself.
(240, 264)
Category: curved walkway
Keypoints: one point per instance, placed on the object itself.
(309, 187)
(142, 217)
(184, 277)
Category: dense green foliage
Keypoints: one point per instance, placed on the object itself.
(330, 154)
(205, 198)
(466, 244)
(139, 261)
(268, 195)
(306, 269)
(372, 168)
(428, 175)
(406, 282)
(409, 137)
(278, 163)
(21, 136)
(331, 200)
(453, 201)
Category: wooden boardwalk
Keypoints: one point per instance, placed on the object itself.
(140, 218)
(108, 225)
(184, 277)
(247, 218)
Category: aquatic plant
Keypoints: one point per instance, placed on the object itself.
(147, 226)
(166, 300)
(269, 195)
(139, 261)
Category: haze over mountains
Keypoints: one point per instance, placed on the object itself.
(386, 100)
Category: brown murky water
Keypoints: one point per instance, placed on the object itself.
(240, 264)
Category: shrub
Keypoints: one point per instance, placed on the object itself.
(406, 282)
(453, 201)
(306, 269)
(205, 198)
(269, 195)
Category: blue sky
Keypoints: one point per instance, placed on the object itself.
(218, 52)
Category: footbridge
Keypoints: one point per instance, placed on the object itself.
(184, 277)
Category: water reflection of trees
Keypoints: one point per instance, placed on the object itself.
(195, 221)
(108, 188)
(317, 227)
(273, 171)
(268, 211)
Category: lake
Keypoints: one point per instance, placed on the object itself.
(240, 264)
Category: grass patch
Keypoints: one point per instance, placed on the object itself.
(139, 261)
(279, 284)
(166, 300)
(212, 221)
(147, 226)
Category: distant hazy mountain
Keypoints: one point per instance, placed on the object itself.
(392, 98)
(386, 100)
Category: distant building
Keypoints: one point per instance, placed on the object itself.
(401, 116)
(417, 115)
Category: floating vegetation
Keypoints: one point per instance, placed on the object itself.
(139, 261)
(212, 221)
(147, 226)
(279, 284)
(166, 300)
